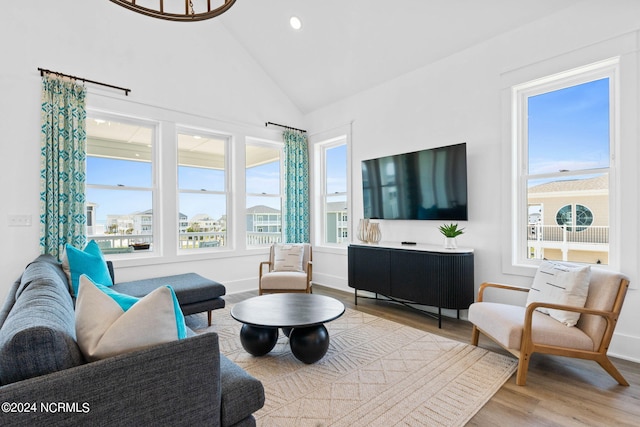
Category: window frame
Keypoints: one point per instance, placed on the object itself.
(156, 235)
(519, 95)
(226, 191)
(321, 149)
(250, 141)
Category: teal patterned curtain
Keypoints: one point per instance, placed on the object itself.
(62, 165)
(296, 179)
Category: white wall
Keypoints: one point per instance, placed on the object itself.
(460, 99)
(193, 74)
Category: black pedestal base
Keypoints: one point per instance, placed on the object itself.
(309, 345)
(258, 341)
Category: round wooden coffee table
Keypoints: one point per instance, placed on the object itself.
(300, 316)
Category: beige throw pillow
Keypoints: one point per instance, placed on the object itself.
(559, 283)
(288, 257)
(109, 323)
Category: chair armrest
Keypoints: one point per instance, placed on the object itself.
(262, 264)
(111, 272)
(485, 285)
(527, 334)
(165, 384)
(582, 310)
(309, 274)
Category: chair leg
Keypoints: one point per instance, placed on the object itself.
(611, 369)
(475, 335)
(209, 317)
(523, 367)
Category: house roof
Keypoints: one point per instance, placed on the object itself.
(600, 182)
(260, 209)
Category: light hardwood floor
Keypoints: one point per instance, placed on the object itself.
(559, 391)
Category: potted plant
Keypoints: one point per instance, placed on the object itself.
(450, 232)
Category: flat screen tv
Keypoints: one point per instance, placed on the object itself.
(424, 185)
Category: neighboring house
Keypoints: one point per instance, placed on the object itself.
(570, 220)
(203, 223)
(264, 225)
(337, 222)
(263, 219)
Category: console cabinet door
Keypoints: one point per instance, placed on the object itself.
(412, 277)
(369, 269)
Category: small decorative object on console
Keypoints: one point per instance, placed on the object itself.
(450, 232)
(374, 234)
(363, 230)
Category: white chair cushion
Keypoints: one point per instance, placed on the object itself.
(505, 323)
(284, 280)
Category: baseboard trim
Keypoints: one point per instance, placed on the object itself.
(625, 347)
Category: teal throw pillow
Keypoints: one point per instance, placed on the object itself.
(90, 262)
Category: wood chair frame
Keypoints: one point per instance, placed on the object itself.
(528, 346)
(309, 271)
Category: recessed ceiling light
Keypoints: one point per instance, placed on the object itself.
(295, 23)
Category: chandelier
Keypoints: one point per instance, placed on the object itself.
(177, 10)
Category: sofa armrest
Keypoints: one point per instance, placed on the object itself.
(111, 272)
(177, 383)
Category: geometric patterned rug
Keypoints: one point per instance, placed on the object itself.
(375, 373)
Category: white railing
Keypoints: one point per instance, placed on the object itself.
(122, 243)
(263, 239)
(568, 234)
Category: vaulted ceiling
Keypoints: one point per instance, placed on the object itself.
(348, 46)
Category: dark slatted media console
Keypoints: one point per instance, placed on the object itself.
(414, 275)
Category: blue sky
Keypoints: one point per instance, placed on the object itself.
(569, 128)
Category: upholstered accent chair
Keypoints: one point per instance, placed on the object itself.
(289, 269)
(524, 330)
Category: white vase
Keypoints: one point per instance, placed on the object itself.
(363, 230)
(374, 232)
(450, 243)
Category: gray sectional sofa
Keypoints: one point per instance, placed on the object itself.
(44, 379)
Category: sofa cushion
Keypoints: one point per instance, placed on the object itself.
(242, 394)
(109, 323)
(38, 334)
(88, 261)
(560, 283)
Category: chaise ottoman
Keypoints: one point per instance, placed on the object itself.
(195, 293)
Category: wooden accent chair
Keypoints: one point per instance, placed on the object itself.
(523, 331)
(287, 275)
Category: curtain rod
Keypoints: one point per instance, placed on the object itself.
(286, 127)
(42, 71)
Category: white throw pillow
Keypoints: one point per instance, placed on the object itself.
(559, 283)
(109, 323)
(288, 257)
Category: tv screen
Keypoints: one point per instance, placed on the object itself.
(426, 185)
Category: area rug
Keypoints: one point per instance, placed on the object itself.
(375, 373)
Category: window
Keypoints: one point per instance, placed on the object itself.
(120, 183)
(564, 140)
(574, 217)
(333, 158)
(263, 192)
(202, 190)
